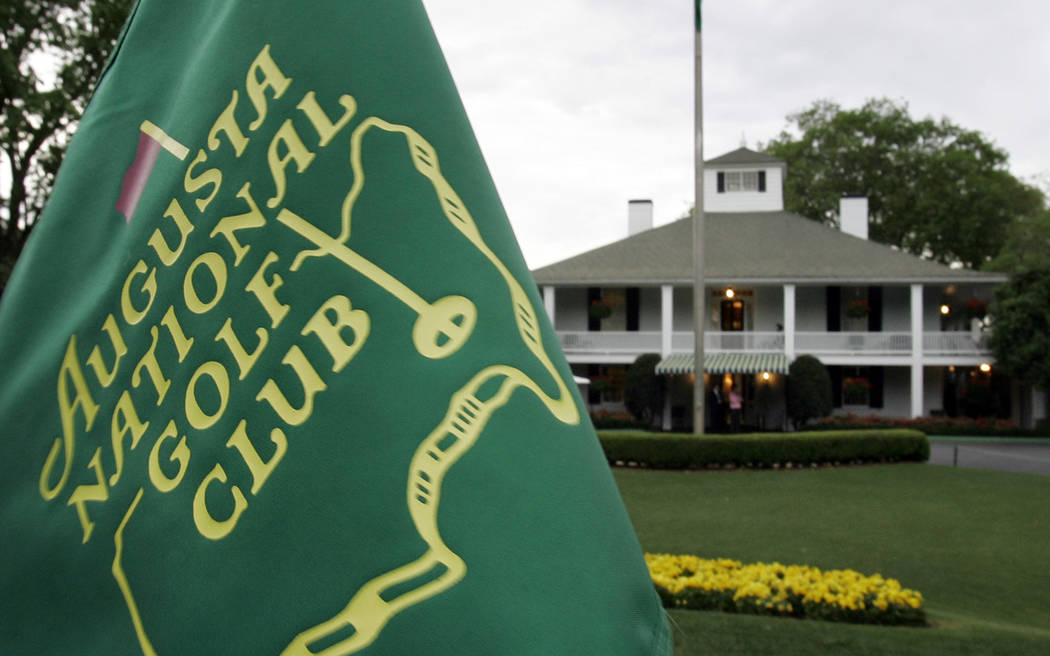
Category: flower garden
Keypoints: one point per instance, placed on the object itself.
(786, 590)
(954, 426)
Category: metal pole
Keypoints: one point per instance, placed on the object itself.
(699, 293)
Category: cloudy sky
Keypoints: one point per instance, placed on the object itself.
(581, 105)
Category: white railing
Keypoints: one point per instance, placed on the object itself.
(683, 342)
(731, 342)
(840, 343)
(815, 343)
(609, 342)
(955, 343)
(745, 342)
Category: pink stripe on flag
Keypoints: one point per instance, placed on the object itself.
(137, 175)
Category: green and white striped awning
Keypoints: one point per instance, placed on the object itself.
(725, 363)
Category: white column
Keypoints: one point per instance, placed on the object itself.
(666, 319)
(789, 322)
(1039, 405)
(666, 330)
(916, 351)
(548, 302)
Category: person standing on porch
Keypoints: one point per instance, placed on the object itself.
(717, 406)
(735, 405)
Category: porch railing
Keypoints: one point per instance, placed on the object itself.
(955, 343)
(816, 343)
(740, 341)
(610, 342)
(845, 343)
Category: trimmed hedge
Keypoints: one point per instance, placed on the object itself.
(762, 450)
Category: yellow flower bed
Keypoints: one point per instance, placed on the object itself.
(775, 589)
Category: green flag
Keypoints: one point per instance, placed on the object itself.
(276, 377)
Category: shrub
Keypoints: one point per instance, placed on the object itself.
(643, 389)
(808, 390)
(763, 450)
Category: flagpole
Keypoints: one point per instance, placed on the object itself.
(699, 294)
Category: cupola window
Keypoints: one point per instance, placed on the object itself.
(732, 181)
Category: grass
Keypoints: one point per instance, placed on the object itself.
(975, 543)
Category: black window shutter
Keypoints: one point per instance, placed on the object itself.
(875, 316)
(594, 324)
(761, 180)
(721, 182)
(834, 296)
(875, 379)
(835, 372)
(633, 305)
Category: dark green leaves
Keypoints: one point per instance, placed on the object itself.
(935, 189)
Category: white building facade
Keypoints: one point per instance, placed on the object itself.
(901, 336)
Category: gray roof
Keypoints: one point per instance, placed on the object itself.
(752, 247)
(745, 156)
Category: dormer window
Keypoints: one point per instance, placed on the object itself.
(741, 180)
(732, 181)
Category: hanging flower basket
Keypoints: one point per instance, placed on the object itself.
(601, 383)
(855, 390)
(976, 308)
(858, 309)
(601, 309)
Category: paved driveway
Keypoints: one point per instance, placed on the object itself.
(1027, 456)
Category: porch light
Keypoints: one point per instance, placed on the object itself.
(730, 293)
(766, 376)
(985, 367)
(945, 310)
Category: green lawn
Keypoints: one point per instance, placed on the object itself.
(975, 543)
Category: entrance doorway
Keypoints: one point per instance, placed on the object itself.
(732, 322)
(732, 315)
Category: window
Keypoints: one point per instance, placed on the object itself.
(741, 180)
(730, 181)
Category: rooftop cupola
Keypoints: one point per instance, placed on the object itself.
(744, 181)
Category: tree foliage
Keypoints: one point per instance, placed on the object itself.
(1026, 247)
(808, 391)
(1020, 335)
(643, 389)
(51, 54)
(934, 189)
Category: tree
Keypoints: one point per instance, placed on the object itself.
(643, 389)
(808, 390)
(934, 189)
(1026, 247)
(51, 54)
(1020, 335)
